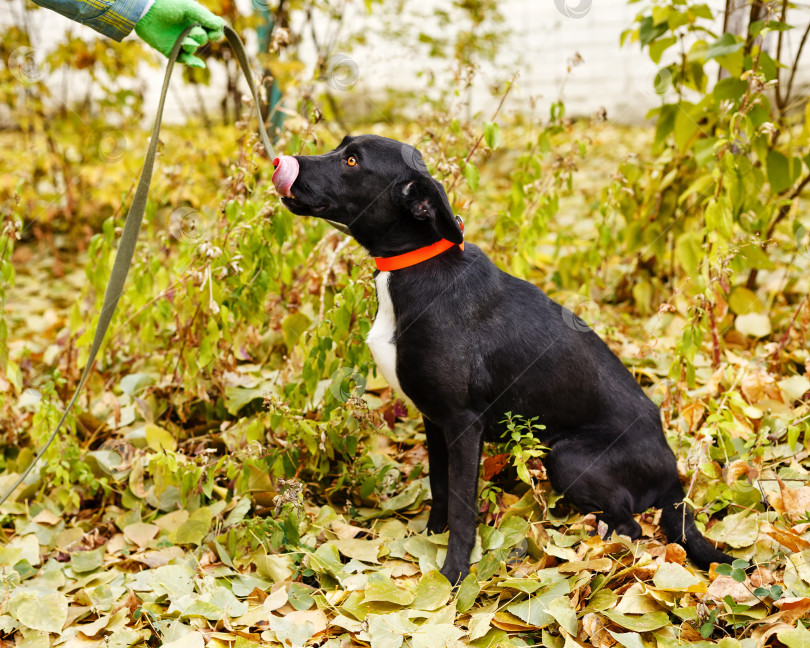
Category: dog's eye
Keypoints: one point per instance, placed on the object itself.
(351, 161)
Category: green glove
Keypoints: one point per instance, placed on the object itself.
(165, 21)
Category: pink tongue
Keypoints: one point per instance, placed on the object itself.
(285, 174)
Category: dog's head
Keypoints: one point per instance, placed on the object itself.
(377, 188)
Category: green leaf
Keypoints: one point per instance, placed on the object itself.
(742, 301)
(467, 593)
(194, 530)
(492, 135)
(719, 218)
(535, 609)
(782, 172)
(39, 609)
(686, 128)
(381, 588)
(87, 561)
(627, 639)
(660, 46)
(560, 608)
(736, 530)
(293, 326)
(674, 577)
(471, 175)
(159, 439)
(365, 550)
(758, 26)
(638, 623)
(299, 597)
(796, 638)
(723, 46)
(432, 591)
(689, 251)
(648, 31)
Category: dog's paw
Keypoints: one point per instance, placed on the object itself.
(454, 574)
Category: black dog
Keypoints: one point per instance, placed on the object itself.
(467, 342)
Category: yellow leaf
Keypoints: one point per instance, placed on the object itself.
(159, 439)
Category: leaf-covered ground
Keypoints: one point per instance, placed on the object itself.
(155, 528)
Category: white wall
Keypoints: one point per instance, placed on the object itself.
(545, 35)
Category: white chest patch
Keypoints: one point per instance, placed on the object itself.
(381, 336)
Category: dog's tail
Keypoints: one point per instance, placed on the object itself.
(679, 526)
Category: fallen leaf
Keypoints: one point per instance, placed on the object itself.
(576, 566)
(793, 502)
(593, 625)
(432, 591)
(46, 517)
(677, 578)
(736, 530)
(365, 550)
(190, 640)
(39, 609)
(755, 325)
(141, 533)
(638, 623)
(798, 637)
(380, 588)
(636, 600)
(785, 537)
(692, 414)
(675, 553)
(628, 639)
(794, 388)
(723, 586)
(793, 608)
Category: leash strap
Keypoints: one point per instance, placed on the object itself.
(129, 237)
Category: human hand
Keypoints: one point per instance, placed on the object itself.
(166, 20)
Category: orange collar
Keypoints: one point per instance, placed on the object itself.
(408, 259)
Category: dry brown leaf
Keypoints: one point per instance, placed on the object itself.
(597, 564)
(736, 469)
(785, 537)
(758, 384)
(510, 623)
(159, 557)
(689, 633)
(793, 608)
(793, 502)
(762, 577)
(675, 553)
(140, 533)
(593, 627)
(726, 586)
(46, 517)
(763, 633)
(692, 414)
(345, 531)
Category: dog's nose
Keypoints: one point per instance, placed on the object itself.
(285, 174)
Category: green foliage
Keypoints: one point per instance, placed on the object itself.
(522, 443)
(718, 203)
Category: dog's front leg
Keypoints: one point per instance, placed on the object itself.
(439, 475)
(463, 437)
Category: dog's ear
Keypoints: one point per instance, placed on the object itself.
(425, 199)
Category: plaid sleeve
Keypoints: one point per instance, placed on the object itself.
(113, 18)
